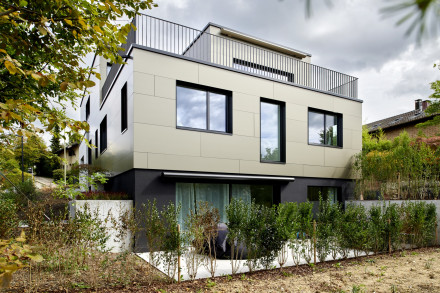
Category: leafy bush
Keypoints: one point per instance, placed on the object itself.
(354, 230)
(14, 255)
(8, 217)
(327, 228)
(287, 219)
(376, 229)
(236, 213)
(270, 238)
(420, 222)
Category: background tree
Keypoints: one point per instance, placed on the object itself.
(434, 107)
(55, 144)
(43, 45)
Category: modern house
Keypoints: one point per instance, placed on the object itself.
(218, 114)
(393, 126)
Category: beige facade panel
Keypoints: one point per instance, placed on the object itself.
(143, 83)
(257, 125)
(348, 107)
(230, 146)
(243, 123)
(245, 102)
(352, 122)
(295, 111)
(166, 140)
(321, 171)
(165, 66)
(296, 131)
(300, 153)
(356, 140)
(304, 97)
(347, 139)
(335, 157)
(140, 160)
(165, 87)
(155, 111)
(188, 163)
(236, 82)
(255, 167)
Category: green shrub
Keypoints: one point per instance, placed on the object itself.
(271, 238)
(376, 229)
(236, 213)
(393, 226)
(305, 232)
(287, 221)
(171, 243)
(354, 229)
(419, 224)
(325, 229)
(8, 218)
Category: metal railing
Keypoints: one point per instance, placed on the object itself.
(199, 45)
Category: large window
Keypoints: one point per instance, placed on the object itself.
(326, 192)
(124, 109)
(103, 138)
(203, 108)
(219, 195)
(325, 128)
(96, 143)
(272, 124)
(88, 108)
(89, 153)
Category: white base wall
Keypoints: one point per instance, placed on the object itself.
(107, 209)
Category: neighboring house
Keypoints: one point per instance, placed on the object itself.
(72, 155)
(394, 125)
(217, 114)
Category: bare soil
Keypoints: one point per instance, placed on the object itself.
(407, 271)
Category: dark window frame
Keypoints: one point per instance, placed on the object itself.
(124, 109)
(282, 130)
(103, 137)
(89, 153)
(338, 191)
(339, 124)
(208, 89)
(96, 144)
(88, 108)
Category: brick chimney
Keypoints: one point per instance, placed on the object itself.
(425, 104)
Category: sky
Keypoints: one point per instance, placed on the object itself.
(348, 36)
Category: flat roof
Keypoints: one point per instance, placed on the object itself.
(257, 41)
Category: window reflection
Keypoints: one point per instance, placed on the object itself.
(270, 132)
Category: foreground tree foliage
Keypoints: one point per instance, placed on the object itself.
(42, 49)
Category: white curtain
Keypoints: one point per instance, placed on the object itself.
(241, 191)
(185, 197)
(187, 194)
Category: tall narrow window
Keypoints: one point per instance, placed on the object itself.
(96, 143)
(325, 128)
(272, 124)
(103, 138)
(203, 108)
(124, 109)
(89, 153)
(88, 108)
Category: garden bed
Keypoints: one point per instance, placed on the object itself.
(407, 271)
